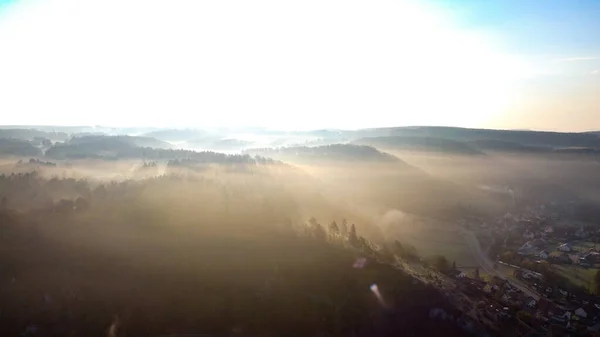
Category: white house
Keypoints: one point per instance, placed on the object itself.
(528, 235)
(581, 313)
(543, 255)
(566, 247)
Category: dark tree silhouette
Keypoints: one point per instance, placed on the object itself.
(440, 263)
(319, 232)
(344, 228)
(334, 229)
(352, 238)
(81, 204)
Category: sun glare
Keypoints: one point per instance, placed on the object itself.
(280, 64)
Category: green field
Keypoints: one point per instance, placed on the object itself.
(432, 238)
(579, 276)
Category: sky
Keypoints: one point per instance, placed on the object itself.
(512, 64)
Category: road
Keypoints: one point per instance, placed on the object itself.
(487, 265)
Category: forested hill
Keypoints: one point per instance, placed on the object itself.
(171, 256)
(124, 147)
(478, 141)
(420, 143)
(533, 138)
(17, 147)
(334, 152)
(138, 141)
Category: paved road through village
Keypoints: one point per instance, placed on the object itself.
(487, 265)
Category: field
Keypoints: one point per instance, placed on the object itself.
(579, 276)
(429, 237)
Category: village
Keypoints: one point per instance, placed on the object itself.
(543, 275)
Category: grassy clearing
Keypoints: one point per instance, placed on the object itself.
(435, 239)
(579, 276)
(508, 271)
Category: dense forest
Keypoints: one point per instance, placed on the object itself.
(15, 147)
(220, 256)
(122, 147)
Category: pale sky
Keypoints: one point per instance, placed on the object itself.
(301, 64)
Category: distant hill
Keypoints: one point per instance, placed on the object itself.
(104, 146)
(16, 147)
(230, 144)
(576, 150)
(530, 138)
(508, 146)
(419, 138)
(176, 135)
(218, 143)
(125, 147)
(339, 152)
(149, 142)
(30, 134)
(109, 141)
(420, 143)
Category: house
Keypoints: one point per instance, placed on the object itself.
(457, 273)
(528, 275)
(580, 312)
(592, 311)
(528, 235)
(544, 255)
(566, 247)
(591, 257)
(531, 303)
(528, 248)
(549, 230)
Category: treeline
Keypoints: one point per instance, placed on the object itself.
(26, 191)
(200, 163)
(525, 138)
(17, 147)
(36, 162)
(473, 147)
(121, 147)
(421, 143)
(345, 152)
